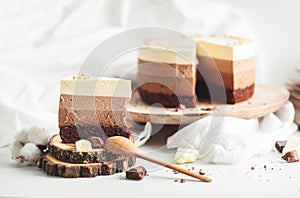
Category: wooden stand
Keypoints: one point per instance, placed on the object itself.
(63, 160)
(266, 99)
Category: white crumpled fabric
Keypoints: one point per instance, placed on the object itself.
(43, 42)
(231, 140)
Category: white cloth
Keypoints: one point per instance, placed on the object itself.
(42, 42)
(231, 140)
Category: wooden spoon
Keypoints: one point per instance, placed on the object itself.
(123, 146)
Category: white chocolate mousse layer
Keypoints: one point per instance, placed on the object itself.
(180, 50)
(224, 47)
(85, 85)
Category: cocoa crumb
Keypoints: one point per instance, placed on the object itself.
(201, 172)
(175, 172)
(180, 107)
(180, 180)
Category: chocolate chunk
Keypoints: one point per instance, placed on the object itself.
(201, 172)
(137, 173)
(279, 145)
(291, 156)
(97, 142)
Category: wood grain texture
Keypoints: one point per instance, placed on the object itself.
(266, 99)
(55, 167)
(67, 153)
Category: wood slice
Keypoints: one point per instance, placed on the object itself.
(67, 153)
(55, 167)
(266, 99)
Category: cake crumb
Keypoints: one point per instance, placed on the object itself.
(201, 172)
(180, 180)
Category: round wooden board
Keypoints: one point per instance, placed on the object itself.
(266, 99)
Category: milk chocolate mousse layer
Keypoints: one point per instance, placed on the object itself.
(167, 84)
(93, 107)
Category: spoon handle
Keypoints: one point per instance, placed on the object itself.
(173, 167)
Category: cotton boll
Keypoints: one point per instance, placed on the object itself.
(15, 150)
(38, 135)
(29, 154)
(25, 149)
(22, 136)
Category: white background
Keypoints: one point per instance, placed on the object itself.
(275, 25)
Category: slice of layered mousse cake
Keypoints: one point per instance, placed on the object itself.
(167, 72)
(93, 107)
(226, 66)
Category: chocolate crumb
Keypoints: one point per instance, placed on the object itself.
(193, 168)
(279, 145)
(252, 167)
(201, 172)
(180, 180)
(175, 172)
(180, 107)
(291, 156)
(207, 109)
(265, 166)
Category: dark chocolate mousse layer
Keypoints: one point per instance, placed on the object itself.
(167, 100)
(232, 96)
(71, 134)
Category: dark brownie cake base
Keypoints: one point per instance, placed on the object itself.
(232, 96)
(71, 134)
(167, 100)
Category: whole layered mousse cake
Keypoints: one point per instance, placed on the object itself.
(226, 64)
(93, 107)
(166, 72)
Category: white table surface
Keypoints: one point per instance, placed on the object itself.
(279, 179)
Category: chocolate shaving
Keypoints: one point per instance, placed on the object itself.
(279, 145)
(97, 142)
(291, 156)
